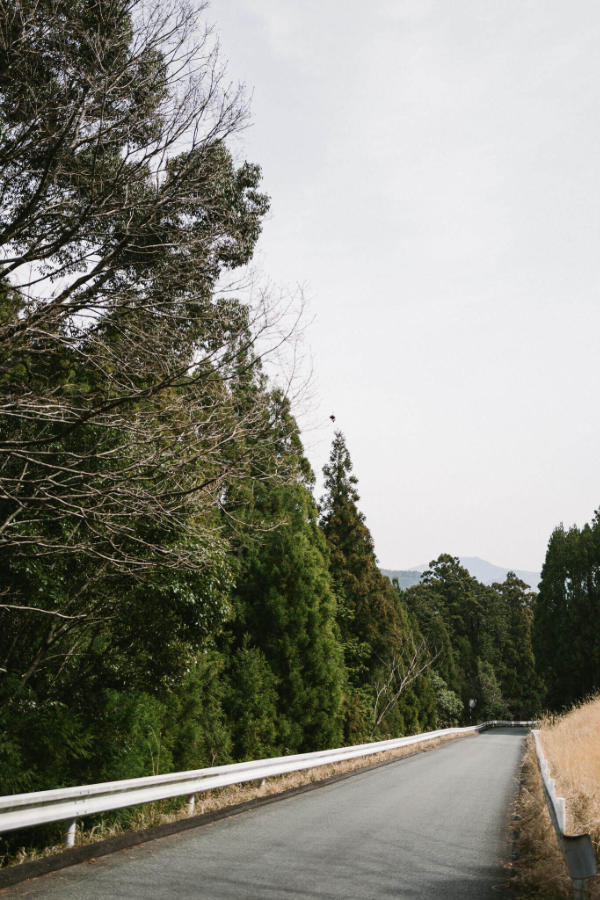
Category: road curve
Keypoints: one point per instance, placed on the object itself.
(433, 825)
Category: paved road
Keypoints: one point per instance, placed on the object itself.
(434, 825)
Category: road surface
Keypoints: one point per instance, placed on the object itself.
(433, 825)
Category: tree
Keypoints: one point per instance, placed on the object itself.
(252, 703)
(483, 635)
(448, 705)
(120, 429)
(520, 682)
(408, 660)
(566, 627)
(491, 704)
(360, 588)
(426, 605)
(452, 604)
(383, 651)
(120, 207)
(131, 392)
(283, 601)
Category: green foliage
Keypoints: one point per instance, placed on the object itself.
(566, 626)
(483, 636)
(42, 740)
(252, 704)
(426, 604)
(448, 705)
(129, 736)
(198, 727)
(489, 693)
(514, 660)
(373, 623)
(448, 607)
(284, 603)
(118, 425)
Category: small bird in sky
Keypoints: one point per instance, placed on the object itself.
(332, 417)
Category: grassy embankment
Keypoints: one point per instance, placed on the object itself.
(571, 745)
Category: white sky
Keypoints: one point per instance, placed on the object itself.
(434, 169)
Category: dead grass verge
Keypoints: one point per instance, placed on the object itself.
(571, 745)
(154, 814)
(538, 868)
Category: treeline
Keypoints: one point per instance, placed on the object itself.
(310, 646)
(171, 593)
(567, 615)
(532, 651)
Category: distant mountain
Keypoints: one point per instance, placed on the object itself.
(483, 571)
(406, 577)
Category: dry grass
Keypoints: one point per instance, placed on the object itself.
(571, 745)
(539, 869)
(153, 814)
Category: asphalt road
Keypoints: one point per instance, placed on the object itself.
(433, 825)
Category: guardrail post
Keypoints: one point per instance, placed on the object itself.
(70, 834)
(191, 804)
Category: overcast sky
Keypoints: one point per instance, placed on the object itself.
(434, 174)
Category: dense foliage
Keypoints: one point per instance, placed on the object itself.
(483, 637)
(567, 615)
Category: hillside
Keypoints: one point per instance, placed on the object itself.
(405, 577)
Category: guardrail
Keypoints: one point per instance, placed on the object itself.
(577, 849)
(69, 804)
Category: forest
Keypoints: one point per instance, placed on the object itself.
(172, 592)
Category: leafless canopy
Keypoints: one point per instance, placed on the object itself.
(129, 395)
(408, 659)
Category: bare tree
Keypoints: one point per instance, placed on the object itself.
(119, 207)
(131, 395)
(409, 659)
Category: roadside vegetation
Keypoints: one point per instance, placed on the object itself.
(571, 745)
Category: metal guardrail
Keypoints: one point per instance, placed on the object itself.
(69, 804)
(577, 849)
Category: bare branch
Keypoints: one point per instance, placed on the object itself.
(46, 612)
(408, 660)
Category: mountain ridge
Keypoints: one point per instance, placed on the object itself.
(484, 571)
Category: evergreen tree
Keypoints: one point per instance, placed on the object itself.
(459, 601)
(426, 605)
(448, 705)
(566, 628)
(283, 601)
(120, 422)
(252, 704)
(483, 636)
(521, 686)
(378, 638)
